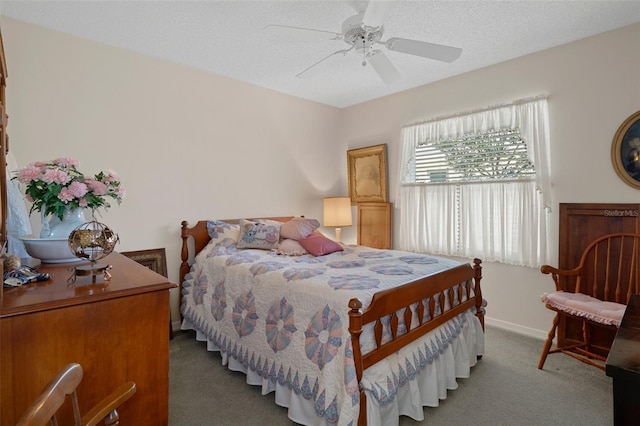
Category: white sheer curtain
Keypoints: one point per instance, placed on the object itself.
(504, 222)
(17, 213)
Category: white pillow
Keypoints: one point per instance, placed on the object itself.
(219, 231)
(289, 247)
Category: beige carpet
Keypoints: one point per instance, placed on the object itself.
(505, 388)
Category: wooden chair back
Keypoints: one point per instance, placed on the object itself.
(608, 271)
(609, 268)
(43, 410)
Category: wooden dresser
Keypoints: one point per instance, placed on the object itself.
(623, 366)
(374, 225)
(117, 331)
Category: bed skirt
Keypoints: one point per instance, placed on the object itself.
(436, 376)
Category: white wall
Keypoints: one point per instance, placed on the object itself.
(187, 145)
(593, 86)
(190, 145)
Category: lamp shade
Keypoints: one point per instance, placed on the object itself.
(337, 211)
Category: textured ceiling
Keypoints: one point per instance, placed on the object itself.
(227, 37)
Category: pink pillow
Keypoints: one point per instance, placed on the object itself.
(318, 245)
(298, 227)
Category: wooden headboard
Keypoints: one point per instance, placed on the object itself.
(200, 237)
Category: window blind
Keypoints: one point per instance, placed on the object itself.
(489, 156)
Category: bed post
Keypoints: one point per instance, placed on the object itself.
(184, 266)
(355, 328)
(477, 267)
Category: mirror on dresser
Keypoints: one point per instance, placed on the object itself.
(4, 145)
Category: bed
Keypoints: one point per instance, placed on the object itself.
(355, 336)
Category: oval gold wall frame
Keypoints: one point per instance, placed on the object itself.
(625, 151)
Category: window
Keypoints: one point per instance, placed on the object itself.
(494, 155)
(477, 185)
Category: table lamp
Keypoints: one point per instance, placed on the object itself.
(337, 213)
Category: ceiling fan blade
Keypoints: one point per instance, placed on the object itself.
(383, 66)
(312, 70)
(358, 5)
(439, 52)
(304, 34)
(376, 13)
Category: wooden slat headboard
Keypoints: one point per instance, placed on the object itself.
(199, 235)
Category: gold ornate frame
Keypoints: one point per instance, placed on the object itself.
(625, 151)
(154, 259)
(367, 171)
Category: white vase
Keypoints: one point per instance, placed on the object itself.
(56, 228)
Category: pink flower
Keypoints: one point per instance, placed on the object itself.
(65, 194)
(55, 185)
(29, 173)
(78, 189)
(111, 176)
(67, 162)
(55, 176)
(98, 188)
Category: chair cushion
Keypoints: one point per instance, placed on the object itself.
(582, 305)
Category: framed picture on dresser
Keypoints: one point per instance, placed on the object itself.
(367, 171)
(154, 259)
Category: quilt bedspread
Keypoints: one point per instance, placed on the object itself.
(286, 318)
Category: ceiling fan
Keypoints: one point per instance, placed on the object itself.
(364, 33)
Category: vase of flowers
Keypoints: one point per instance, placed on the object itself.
(61, 193)
(55, 227)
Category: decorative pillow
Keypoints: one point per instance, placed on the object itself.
(266, 221)
(318, 245)
(219, 231)
(258, 235)
(289, 247)
(298, 227)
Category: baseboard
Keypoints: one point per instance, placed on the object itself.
(175, 325)
(516, 328)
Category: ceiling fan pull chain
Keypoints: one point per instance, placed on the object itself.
(364, 57)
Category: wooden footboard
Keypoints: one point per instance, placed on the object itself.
(388, 302)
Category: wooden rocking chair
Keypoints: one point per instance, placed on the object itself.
(44, 408)
(595, 292)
